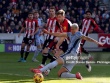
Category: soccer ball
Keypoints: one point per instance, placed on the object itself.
(38, 78)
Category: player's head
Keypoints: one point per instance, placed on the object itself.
(74, 28)
(88, 14)
(30, 15)
(52, 11)
(36, 14)
(60, 15)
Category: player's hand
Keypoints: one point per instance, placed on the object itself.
(19, 35)
(101, 44)
(45, 31)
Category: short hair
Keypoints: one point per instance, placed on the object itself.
(35, 12)
(61, 12)
(52, 7)
(30, 13)
(74, 25)
(88, 11)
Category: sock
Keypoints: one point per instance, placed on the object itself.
(49, 66)
(26, 55)
(22, 52)
(44, 58)
(51, 58)
(36, 53)
(68, 75)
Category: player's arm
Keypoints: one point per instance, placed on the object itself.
(96, 27)
(59, 42)
(22, 29)
(91, 40)
(56, 34)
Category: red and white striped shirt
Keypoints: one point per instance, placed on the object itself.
(88, 24)
(52, 26)
(30, 27)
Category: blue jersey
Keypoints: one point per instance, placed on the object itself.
(75, 40)
(39, 29)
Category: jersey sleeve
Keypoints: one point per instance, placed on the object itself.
(79, 34)
(68, 34)
(36, 24)
(96, 27)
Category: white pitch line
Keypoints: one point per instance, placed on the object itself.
(15, 74)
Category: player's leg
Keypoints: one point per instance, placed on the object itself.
(51, 47)
(26, 53)
(62, 49)
(30, 41)
(44, 57)
(82, 48)
(64, 73)
(22, 50)
(58, 53)
(88, 66)
(45, 52)
(38, 49)
(65, 70)
(50, 65)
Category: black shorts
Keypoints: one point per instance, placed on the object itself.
(46, 43)
(28, 41)
(64, 46)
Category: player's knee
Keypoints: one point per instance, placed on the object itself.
(45, 51)
(45, 54)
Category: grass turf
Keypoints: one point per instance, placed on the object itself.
(12, 71)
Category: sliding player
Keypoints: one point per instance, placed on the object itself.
(75, 37)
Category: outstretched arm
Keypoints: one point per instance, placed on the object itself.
(56, 34)
(22, 29)
(91, 40)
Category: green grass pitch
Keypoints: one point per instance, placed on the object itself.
(12, 71)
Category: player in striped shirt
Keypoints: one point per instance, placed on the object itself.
(30, 27)
(52, 26)
(87, 26)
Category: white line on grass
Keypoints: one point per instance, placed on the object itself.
(15, 74)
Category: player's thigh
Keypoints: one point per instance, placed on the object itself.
(24, 42)
(28, 47)
(45, 44)
(62, 69)
(45, 50)
(42, 39)
(37, 43)
(58, 53)
(64, 46)
(69, 61)
(23, 45)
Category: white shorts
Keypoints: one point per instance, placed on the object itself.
(39, 40)
(69, 60)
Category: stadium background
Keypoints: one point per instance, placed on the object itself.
(14, 12)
